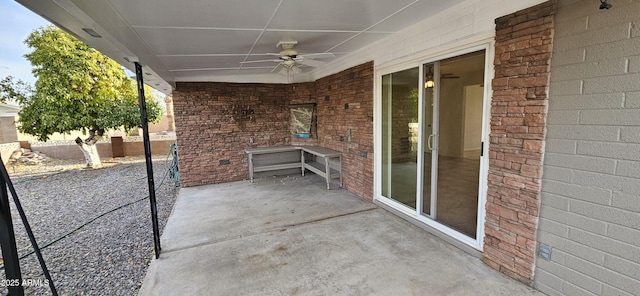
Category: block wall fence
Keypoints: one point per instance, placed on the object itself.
(132, 146)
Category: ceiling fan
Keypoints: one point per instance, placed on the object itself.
(288, 58)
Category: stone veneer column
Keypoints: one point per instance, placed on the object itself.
(524, 43)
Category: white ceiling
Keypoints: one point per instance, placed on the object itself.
(204, 40)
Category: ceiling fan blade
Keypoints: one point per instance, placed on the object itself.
(283, 71)
(319, 55)
(260, 61)
(276, 67)
(311, 63)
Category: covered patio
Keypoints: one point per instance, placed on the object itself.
(418, 87)
(291, 236)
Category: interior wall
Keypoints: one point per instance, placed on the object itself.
(450, 118)
(216, 121)
(473, 113)
(590, 214)
(452, 112)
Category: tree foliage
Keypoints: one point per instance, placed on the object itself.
(13, 90)
(77, 88)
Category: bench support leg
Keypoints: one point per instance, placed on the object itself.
(302, 161)
(327, 171)
(251, 167)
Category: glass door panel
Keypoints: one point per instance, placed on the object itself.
(453, 141)
(400, 136)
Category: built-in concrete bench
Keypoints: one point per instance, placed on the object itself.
(320, 160)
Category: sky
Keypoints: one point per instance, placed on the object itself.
(16, 23)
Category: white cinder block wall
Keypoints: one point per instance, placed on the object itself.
(590, 211)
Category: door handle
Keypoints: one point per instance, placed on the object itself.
(430, 142)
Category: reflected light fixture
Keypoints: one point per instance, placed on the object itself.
(428, 83)
(604, 4)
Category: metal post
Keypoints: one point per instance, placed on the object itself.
(147, 155)
(8, 244)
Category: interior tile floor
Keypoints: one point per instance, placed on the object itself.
(457, 190)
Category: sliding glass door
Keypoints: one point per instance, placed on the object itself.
(432, 140)
(400, 136)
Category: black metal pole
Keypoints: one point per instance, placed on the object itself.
(36, 249)
(8, 245)
(147, 155)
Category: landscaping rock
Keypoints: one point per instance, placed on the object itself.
(29, 157)
(108, 255)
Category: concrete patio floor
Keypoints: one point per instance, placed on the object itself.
(292, 236)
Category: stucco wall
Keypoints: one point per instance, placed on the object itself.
(590, 212)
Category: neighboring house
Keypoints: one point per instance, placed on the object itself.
(9, 133)
(7, 123)
(509, 128)
(8, 108)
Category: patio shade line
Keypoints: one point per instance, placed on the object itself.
(207, 55)
(258, 29)
(217, 69)
(267, 230)
(196, 28)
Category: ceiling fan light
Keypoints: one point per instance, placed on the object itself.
(292, 53)
(289, 63)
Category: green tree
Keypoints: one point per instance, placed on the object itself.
(77, 88)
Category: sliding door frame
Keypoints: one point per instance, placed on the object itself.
(416, 214)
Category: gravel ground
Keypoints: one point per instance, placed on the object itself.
(108, 256)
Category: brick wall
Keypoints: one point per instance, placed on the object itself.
(345, 101)
(518, 118)
(214, 124)
(590, 212)
(212, 131)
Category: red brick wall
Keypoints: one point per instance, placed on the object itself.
(345, 101)
(518, 119)
(211, 127)
(214, 122)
